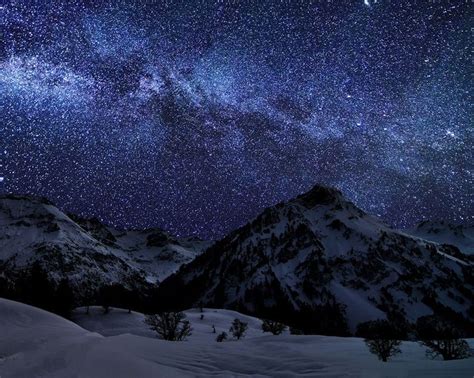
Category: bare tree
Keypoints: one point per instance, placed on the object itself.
(170, 326)
(272, 326)
(441, 338)
(384, 348)
(381, 337)
(238, 329)
(88, 298)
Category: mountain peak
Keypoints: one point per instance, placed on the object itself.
(321, 195)
(28, 198)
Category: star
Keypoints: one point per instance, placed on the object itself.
(195, 116)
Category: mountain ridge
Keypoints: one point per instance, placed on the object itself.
(460, 236)
(316, 256)
(85, 251)
(319, 254)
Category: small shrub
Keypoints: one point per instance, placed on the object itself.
(170, 326)
(238, 329)
(272, 326)
(221, 337)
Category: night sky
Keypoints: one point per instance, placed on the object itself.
(195, 115)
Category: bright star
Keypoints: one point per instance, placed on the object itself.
(450, 133)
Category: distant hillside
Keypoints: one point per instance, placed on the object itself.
(85, 251)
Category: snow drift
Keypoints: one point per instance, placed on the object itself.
(35, 343)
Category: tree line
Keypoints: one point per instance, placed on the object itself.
(36, 288)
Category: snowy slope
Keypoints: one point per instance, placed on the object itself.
(36, 343)
(320, 257)
(119, 321)
(460, 236)
(84, 250)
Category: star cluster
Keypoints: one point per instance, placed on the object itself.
(195, 115)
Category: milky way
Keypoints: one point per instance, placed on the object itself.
(194, 116)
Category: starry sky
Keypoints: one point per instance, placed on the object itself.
(193, 116)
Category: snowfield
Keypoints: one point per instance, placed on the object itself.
(36, 343)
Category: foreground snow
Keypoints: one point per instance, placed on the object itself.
(119, 321)
(37, 343)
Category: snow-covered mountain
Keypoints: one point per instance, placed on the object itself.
(320, 262)
(315, 257)
(85, 251)
(460, 236)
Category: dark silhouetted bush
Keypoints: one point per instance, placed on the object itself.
(441, 338)
(381, 337)
(221, 337)
(170, 326)
(272, 326)
(238, 329)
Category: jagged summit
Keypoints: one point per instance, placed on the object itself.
(321, 195)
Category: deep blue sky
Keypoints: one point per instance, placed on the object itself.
(194, 116)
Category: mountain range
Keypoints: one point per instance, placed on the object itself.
(317, 262)
(87, 252)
